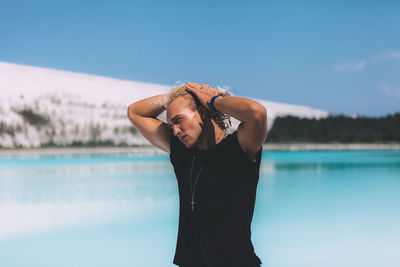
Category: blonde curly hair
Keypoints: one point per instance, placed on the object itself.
(221, 119)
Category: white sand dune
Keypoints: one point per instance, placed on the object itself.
(82, 107)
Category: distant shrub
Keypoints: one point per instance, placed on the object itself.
(107, 142)
(18, 128)
(79, 143)
(55, 100)
(6, 129)
(76, 130)
(93, 143)
(123, 144)
(128, 129)
(33, 118)
(95, 131)
(133, 130)
(49, 144)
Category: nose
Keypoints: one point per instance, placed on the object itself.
(175, 129)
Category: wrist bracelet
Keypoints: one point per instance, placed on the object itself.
(211, 103)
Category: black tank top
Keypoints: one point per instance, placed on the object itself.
(216, 233)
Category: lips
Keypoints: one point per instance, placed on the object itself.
(183, 137)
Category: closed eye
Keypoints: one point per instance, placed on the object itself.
(175, 120)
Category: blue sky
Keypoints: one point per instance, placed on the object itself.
(341, 56)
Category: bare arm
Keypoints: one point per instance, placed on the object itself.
(143, 114)
(252, 129)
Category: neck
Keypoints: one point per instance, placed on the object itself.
(210, 136)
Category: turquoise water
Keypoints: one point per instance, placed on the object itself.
(313, 208)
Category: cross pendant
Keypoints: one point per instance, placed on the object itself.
(192, 202)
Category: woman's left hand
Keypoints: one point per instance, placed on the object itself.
(203, 92)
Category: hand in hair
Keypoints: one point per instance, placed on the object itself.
(204, 94)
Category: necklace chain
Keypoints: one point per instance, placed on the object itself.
(192, 192)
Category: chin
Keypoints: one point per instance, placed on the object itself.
(189, 145)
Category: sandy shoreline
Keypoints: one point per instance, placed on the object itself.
(150, 150)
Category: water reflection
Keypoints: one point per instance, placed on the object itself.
(46, 193)
(312, 208)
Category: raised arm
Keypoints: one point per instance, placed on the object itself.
(143, 114)
(252, 129)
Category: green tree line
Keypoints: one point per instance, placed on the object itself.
(336, 129)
